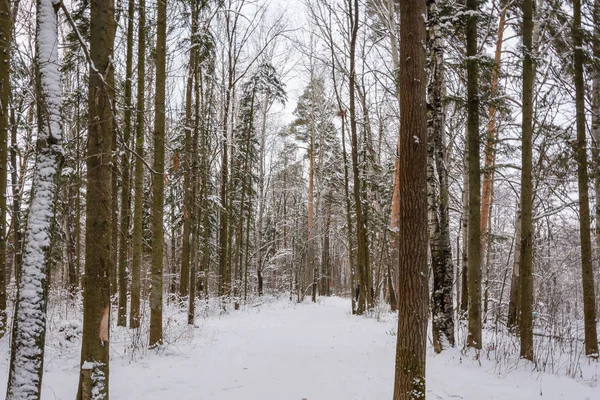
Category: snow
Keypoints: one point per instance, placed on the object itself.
(277, 349)
(31, 316)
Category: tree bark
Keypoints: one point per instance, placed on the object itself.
(125, 167)
(362, 240)
(526, 264)
(490, 141)
(474, 247)
(587, 272)
(596, 125)
(137, 249)
(158, 183)
(96, 296)
(29, 324)
(439, 229)
(413, 286)
(188, 182)
(513, 302)
(5, 41)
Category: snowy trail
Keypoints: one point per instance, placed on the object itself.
(283, 351)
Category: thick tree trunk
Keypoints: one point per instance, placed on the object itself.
(158, 182)
(137, 249)
(526, 264)
(5, 40)
(96, 296)
(587, 272)
(29, 324)
(413, 286)
(474, 247)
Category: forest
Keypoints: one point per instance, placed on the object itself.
(356, 199)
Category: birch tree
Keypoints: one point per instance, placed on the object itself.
(29, 326)
(5, 41)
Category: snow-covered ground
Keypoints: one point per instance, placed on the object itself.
(281, 350)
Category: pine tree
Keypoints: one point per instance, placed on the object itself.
(526, 263)
(158, 183)
(587, 272)
(137, 239)
(474, 248)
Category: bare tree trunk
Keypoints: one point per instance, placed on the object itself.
(29, 324)
(464, 283)
(596, 125)
(490, 142)
(362, 258)
(137, 249)
(96, 296)
(526, 264)
(474, 247)
(412, 306)
(158, 183)
(5, 41)
(587, 272)
(439, 230)
(188, 182)
(125, 168)
(513, 302)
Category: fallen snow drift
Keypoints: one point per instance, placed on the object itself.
(281, 350)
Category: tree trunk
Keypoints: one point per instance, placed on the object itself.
(439, 230)
(5, 41)
(490, 141)
(596, 124)
(125, 167)
(96, 296)
(464, 282)
(29, 324)
(474, 247)
(413, 287)
(137, 249)
(513, 302)
(188, 182)
(526, 264)
(587, 272)
(362, 240)
(158, 183)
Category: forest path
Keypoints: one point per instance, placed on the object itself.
(281, 350)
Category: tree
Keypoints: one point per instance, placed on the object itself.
(125, 170)
(94, 376)
(5, 41)
(413, 286)
(437, 179)
(137, 239)
(526, 263)
(587, 271)
(362, 254)
(158, 183)
(474, 247)
(29, 326)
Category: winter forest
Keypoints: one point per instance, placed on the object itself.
(303, 199)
